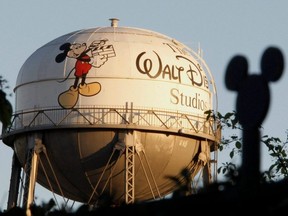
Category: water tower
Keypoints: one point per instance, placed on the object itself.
(111, 110)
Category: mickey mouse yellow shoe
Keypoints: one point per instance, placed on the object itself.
(89, 89)
(69, 98)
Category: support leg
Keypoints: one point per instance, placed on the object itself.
(14, 182)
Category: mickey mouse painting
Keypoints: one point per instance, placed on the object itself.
(86, 58)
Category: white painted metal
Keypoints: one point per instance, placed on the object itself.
(131, 65)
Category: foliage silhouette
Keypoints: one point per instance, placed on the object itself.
(277, 149)
(5, 106)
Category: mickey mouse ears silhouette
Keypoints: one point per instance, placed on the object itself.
(253, 91)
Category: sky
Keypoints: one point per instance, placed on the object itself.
(222, 28)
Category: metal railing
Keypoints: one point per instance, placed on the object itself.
(112, 117)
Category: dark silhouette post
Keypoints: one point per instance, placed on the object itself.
(252, 105)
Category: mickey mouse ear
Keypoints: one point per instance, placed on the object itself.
(272, 64)
(65, 47)
(60, 57)
(236, 72)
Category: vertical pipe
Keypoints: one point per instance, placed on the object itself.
(32, 182)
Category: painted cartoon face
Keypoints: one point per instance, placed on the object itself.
(76, 50)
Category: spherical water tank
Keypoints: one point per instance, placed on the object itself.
(106, 104)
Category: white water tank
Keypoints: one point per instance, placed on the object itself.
(86, 93)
